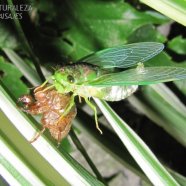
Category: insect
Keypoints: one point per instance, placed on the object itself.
(51, 105)
(97, 75)
(93, 76)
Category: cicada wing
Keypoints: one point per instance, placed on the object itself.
(124, 56)
(146, 76)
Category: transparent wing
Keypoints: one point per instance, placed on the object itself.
(124, 56)
(146, 76)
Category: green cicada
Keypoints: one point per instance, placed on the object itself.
(93, 76)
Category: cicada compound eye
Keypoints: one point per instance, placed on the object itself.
(70, 79)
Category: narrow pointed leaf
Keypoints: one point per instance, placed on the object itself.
(157, 174)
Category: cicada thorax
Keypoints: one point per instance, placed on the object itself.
(51, 104)
(79, 73)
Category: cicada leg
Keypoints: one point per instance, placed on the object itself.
(41, 86)
(95, 113)
(69, 106)
(47, 88)
(37, 135)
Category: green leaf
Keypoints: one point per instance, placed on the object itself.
(14, 170)
(28, 72)
(181, 86)
(178, 45)
(11, 76)
(146, 33)
(175, 9)
(163, 59)
(162, 106)
(157, 174)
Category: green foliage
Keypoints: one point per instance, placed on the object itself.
(172, 112)
(182, 86)
(178, 45)
(7, 37)
(144, 33)
(11, 76)
(83, 19)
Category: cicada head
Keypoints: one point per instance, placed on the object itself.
(64, 80)
(71, 76)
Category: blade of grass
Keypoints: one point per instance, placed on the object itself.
(159, 100)
(6, 178)
(157, 174)
(28, 72)
(170, 97)
(22, 150)
(175, 9)
(14, 167)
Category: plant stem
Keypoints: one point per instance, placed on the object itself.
(86, 156)
(25, 43)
